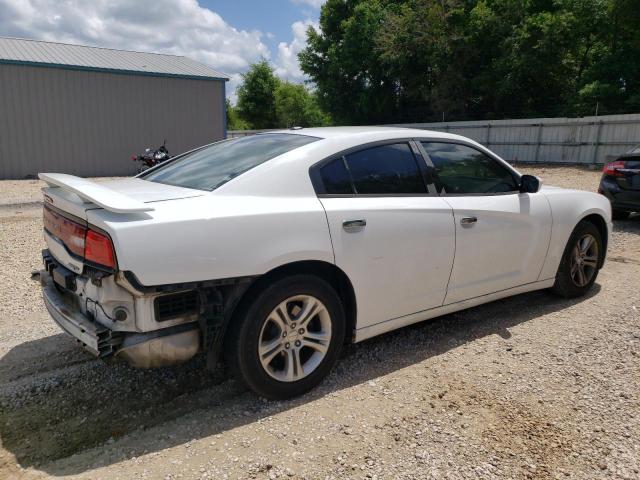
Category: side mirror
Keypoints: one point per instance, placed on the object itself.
(529, 184)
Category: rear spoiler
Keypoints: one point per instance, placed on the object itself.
(94, 192)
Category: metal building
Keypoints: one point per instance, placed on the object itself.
(86, 110)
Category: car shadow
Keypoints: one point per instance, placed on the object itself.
(630, 225)
(66, 403)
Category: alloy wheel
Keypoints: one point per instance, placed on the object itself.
(294, 338)
(584, 260)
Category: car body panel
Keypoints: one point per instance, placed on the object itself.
(216, 237)
(125, 195)
(395, 323)
(568, 207)
(92, 192)
(625, 200)
(401, 259)
(622, 187)
(504, 248)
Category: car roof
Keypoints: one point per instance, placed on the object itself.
(381, 133)
(284, 172)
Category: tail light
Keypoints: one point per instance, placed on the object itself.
(99, 249)
(613, 168)
(134, 158)
(70, 233)
(83, 242)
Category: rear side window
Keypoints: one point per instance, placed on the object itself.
(461, 169)
(387, 169)
(335, 177)
(212, 166)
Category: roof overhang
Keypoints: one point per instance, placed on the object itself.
(110, 70)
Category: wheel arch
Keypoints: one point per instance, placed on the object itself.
(329, 272)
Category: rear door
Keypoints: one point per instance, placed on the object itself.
(391, 235)
(502, 235)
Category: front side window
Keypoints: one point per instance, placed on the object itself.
(212, 166)
(461, 169)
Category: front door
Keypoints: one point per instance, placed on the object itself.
(392, 237)
(502, 235)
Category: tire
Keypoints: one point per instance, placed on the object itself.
(570, 283)
(620, 214)
(276, 366)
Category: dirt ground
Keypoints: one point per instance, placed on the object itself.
(529, 387)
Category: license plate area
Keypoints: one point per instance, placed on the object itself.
(61, 276)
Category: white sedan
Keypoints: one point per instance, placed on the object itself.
(276, 249)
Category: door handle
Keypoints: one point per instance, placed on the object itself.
(468, 220)
(353, 225)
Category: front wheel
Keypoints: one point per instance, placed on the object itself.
(580, 262)
(289, 338)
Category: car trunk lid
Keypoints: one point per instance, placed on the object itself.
(77, 195)
(68, 199)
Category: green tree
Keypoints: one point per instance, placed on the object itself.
(386, 61)
(256, 96)
(296, 106)
(234, 121)
(351, 82)
(419, 45)
(610, 77)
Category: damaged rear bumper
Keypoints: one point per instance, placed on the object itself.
(93, 337)
(158, 348)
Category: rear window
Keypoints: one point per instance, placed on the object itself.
(212, 166)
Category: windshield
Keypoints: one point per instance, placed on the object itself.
(212, 166)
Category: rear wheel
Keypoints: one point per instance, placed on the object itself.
(620, 214)
(580, 262)
(289, 338)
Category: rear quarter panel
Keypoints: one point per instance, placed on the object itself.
(568, 207)
(215, 237)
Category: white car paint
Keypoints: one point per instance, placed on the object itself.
(102, 196)
(504, 248)
(401, 261)
(568, 207)
(215, 237)
(412, 261)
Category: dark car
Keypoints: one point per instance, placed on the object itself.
(620, 183)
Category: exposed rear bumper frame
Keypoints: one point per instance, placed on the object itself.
(95, 338)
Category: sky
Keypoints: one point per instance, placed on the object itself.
(228, 35)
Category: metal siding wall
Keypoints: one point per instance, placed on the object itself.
(90, 123)
(584, 140)
(541, 140)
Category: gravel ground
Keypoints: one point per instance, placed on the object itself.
(529, 387)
